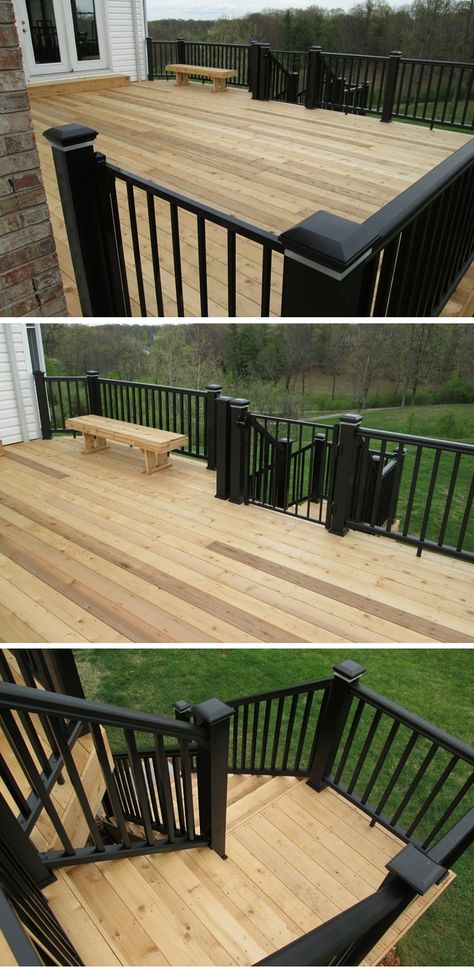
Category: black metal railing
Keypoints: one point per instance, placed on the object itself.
(440, 93)
(207, 739)
(405, 260)
(420, 493)
(287, 76)
(229, 56)
(273, 733)
(195, 251)
(170, 803)
(353, 83)
(159, 54)
(289, 465)
(164, 254)
(172, 408)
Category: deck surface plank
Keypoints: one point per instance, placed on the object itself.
(271, 164)
(277, 883)
(102, 553)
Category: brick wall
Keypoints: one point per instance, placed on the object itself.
(30, 282)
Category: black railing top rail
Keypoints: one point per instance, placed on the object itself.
(335, 53)
(249, 231)
(78, 709)
(140, 385)
(169, 750)
(391, 435)
(65, 379)
(291, 421)
(205, 43)
(436, 63)
(446, 741)
(342, 243)
(316, 685)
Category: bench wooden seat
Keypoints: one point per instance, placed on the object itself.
(154, 444)
(219, 75)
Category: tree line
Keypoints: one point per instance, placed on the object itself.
(284, 369)
(429, 29)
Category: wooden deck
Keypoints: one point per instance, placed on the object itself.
(93, 550)
(293, 862)
(269, 163)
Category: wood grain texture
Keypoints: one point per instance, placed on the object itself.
(277, 883)
(271, 164)
(99, 552)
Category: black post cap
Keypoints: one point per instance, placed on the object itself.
(416, 868)
(182, 705)
(213, 711)
(69, 135)
(349, 670)
(214, 387)
(353, 418)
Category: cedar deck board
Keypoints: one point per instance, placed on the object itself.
(110, 555)
(271, 164)
(193, 908)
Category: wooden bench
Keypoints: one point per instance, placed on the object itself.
(154, 444)
(218, 75)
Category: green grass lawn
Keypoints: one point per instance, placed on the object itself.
(436, 684)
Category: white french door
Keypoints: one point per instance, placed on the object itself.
(63, 36)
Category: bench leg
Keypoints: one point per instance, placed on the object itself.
(92, 444)
(219, 84)
(155, 461)
(182, 80)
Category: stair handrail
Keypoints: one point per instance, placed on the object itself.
(50, 703)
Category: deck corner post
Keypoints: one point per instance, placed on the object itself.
(332, 720)
(42, 400)
(283, 465)
(238, 450)
(78, 178)
(213, 392)
(180, 50)
(390, 85)
(315, 66)
(212, 771)
(343, 483)
(325, 270)
(259, 70)
(149, 58)
(222, 447)
(93, 392)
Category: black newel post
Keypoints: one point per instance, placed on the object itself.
(180, 51)
(62, 668)
(43, 407)
(321, 275)
(332, 721)
(212, 770)
(343, 483)
(319, 466)
(238, 450)
(88, 221)
(292, 87)
(390, 85)
(213, 391)
(93, 392)
(283, 454)
(222, 447)
(259, 70)
(314, 85)
(149, 58)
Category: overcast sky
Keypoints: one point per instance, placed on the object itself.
(210, 9)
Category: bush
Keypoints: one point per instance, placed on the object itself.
(458, 389)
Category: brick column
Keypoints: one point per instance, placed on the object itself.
(30, 281)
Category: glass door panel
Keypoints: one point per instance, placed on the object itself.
(85, 29)
(43, 31)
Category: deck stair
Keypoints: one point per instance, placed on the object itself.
(193, 908)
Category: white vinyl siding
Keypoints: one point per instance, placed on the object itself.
(18, 420)
(127, 42)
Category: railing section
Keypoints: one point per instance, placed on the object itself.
(353, 83)
(408, 775)
(171, 408)
(435, 92)
(273, 733)
(229, 56)
(66, 397)
(160, 53)
(195, 250)
(289, 465)
(421, 491)
(288, 76)
(172, 827)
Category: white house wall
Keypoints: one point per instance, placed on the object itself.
(18, 418)
(127, 37)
